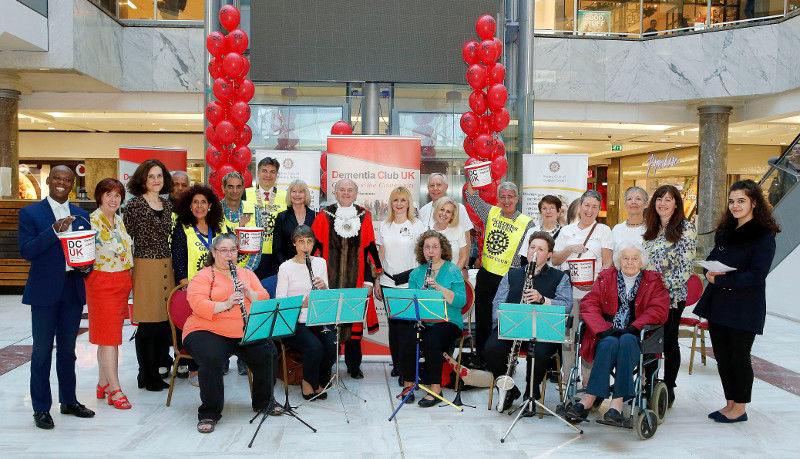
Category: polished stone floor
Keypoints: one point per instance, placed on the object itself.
(151, 429)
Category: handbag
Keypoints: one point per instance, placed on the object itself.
(294, 367)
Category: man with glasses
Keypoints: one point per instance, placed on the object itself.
(505, 231)
(270, 201)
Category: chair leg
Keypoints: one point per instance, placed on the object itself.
(703, 346)
(458, 363)
(172, 379)
(694, 344)
(491, 394)
(560, 389)
(544, 387)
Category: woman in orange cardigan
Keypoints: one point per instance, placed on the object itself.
(213, 332)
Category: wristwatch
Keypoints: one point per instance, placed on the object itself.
(541, 300)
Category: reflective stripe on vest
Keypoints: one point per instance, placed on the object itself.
(501, 241)
(230, 227)
(197, 253)
(268, 213)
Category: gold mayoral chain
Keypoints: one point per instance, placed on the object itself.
(346, 226)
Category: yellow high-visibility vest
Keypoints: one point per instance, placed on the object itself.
(269, 212)
(501, 241)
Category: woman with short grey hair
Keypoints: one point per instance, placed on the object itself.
(633, 228)
(624, 245)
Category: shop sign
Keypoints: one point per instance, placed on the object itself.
(654, 164)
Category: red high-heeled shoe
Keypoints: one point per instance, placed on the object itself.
(101, 391)
(121, 403)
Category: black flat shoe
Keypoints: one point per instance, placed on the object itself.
(715, 415)
(309, 396)
(577, 411)
(613, 418)
(153, 387)
(403, 394)
(726, 420)
(512, 395)
(670, 396)
(357, 374)
(76, 409)
(323, 396)
(400, 381)
(425, 402)
(43, 420)
(395, 372)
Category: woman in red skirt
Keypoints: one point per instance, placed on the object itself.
(108, 287)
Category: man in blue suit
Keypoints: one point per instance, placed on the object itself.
(55, 293)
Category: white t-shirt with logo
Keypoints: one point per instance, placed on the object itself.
(601, 239)
(398, 242)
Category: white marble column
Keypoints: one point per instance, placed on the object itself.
(712, 189)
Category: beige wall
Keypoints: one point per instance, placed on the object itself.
(83, 145)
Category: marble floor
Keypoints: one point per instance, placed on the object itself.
(151, 429)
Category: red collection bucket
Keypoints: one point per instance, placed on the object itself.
(479, 174)
(78, 247)
(249, 239)
(581, 271)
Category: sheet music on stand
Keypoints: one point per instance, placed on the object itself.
(401, 305)
(270, 319)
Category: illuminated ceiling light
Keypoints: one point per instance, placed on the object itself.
(130, 5)
(51, 128)
(678, 145)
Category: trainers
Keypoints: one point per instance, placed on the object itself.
(183, 371)
(194, 380)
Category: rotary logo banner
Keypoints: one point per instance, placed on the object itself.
(563, 176)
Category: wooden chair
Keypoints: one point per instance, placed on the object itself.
(694, 287)
(465, 334)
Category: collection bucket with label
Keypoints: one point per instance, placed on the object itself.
(249, 239)
(78, 247)
(581, 271)
(479, 174)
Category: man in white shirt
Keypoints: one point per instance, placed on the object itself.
(437, 188)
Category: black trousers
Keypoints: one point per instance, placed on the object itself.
(672, 351)
(732, 352)
(486, 285)
(352, 355)
(496, 351)
(152, 350)
(211, 351)
(395, 329)
(436, 339)
(319, 353)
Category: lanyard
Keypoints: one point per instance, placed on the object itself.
(206, 243)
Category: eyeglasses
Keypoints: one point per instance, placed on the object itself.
(228, 251)
(431, 247)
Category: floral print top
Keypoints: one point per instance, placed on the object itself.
(113, 245)
(674, 261)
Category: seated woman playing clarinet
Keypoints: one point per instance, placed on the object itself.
(298, 276)
(437, 272)
(220, 299)
(547, 286)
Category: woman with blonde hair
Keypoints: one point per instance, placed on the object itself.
(446, 221)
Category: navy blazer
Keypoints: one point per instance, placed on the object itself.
(738, 298)
(39, 244)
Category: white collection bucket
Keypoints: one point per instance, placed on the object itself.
(78, 247)
(479, 174)
(581, 271)
(249, 239)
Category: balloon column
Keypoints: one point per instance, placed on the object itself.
(339, 128)
(488, 115)
(228, 133)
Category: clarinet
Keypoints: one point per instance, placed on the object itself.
(325, 328)
(234, 278)
(428, 274)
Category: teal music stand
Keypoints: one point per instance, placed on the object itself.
(273, 319)
(335, 307)
(529, 322)
(418, 306)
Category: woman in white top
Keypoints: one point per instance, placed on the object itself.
(584, 239)
(633, 228)
(396, 240)
(446, 221)
(317, 343)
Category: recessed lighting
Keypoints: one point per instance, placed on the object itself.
(559, 136)
(663, 140)
(162, 129)
(783, 143)
(678, 145)
(51, 127)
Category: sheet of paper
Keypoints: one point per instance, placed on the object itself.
(715, 266)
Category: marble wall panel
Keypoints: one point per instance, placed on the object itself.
(685, 68)
(623, 65)
(138, 58)
(758, 53)
(178, 60)
(551, 67)
(655, 70)
(788, 64)
(59, 35)
(587, 70)
(721, 57)
(97, 44)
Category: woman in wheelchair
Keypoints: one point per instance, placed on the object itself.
(624, 299)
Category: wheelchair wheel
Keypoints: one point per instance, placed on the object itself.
(646, 423)
(659, 401)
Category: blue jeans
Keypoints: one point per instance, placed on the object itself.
(620, 353)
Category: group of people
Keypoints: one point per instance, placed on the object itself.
(641, 268)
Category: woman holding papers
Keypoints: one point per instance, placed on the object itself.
(214, 330)
(439, 273)
(671, 243)
(298, 276)
(735, 302)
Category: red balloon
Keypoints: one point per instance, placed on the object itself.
(232, 65)
(470, 52)
(229, 17)
(469, 146)
(215, 112)
(469, 123)
(323, 161)
(471, 160)
(244, 136)
(499, 45)
(248, 178)
(239, 113)
(323, 183)
(477, 102)
(499, 149)
(214, 179)
(225, 132)
(224, 170)
(488, 51)
(488, 193)
(236, 41)
(484, 146)
(245, 67)
(215, 157)
(215, 43)
(211, 135)
(496, 96)
(496, 72)
(485, 125)
(499, 167)
(215, 68)
(244, 91)
(241, 157)
(500, 119)
(476, 76)
(486, 26)
(223, 89)
(341, 128)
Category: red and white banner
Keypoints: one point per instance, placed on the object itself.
(378, 165)
(131, 157)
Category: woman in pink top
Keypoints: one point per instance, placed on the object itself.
(318, 343)
(213, 332)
